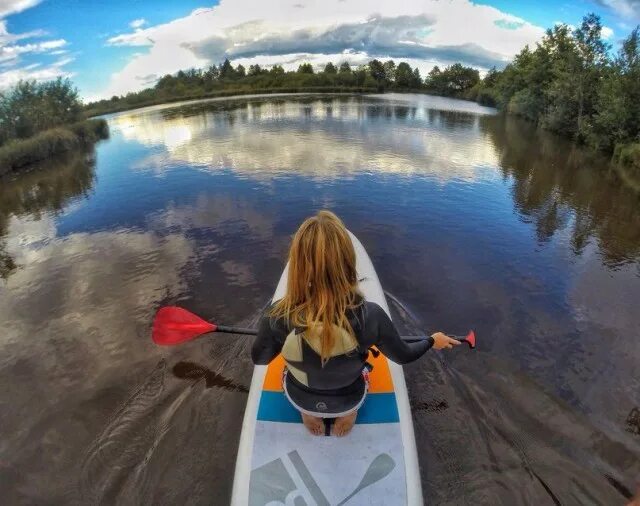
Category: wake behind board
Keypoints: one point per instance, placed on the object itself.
(280, 463)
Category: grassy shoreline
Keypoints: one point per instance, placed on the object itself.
(20, 153)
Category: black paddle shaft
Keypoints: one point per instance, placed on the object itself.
(236, 330)
(416, 339)
(252, 332)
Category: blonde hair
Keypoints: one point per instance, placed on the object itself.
(322, 280)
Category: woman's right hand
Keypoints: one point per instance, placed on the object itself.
(442, 341)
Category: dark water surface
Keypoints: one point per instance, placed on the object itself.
(472, 220)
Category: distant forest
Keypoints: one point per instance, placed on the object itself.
(225, 79)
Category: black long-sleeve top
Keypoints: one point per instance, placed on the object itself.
(372, 327)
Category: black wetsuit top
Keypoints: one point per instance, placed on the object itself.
(371, 326)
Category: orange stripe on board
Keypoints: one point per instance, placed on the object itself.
(379, 379)
(273, 379)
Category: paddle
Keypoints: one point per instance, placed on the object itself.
(175, 325)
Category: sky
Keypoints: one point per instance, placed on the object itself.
(117, 46)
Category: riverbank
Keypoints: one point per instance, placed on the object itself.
(19, 153)
(114, 107)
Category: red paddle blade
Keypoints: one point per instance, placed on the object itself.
(471, 339)
(174, 325)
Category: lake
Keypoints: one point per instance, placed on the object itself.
(473, 220)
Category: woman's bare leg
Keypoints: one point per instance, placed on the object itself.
(314, 424)
(343, 425)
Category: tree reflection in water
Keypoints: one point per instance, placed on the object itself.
(558, 186)
(47, 188)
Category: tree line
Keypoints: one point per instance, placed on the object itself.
(375, 76)
(571, 84)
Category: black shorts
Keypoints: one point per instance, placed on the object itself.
(325, 403)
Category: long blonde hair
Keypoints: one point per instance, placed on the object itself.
(322, 280)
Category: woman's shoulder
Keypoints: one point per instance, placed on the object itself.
(372, 308)
(365, 310)
(276, 322)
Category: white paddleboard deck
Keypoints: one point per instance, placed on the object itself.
(280, 463)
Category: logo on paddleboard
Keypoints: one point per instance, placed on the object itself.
(321, 406)
(287, 481)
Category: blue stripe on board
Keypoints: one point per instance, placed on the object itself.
(377, 408)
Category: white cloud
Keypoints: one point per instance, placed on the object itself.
(12, 6)
(607, 32)
(430, 31)
(10, 57)
(35, 72)
(626, 8)
(138, 23)
(14, 51)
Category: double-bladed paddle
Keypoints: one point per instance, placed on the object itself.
(175, 325)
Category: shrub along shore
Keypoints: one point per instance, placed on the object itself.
(19, 153)
(41, 120)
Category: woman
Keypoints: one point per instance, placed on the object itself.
(324, 328)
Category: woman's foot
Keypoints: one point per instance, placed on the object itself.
(343, 425)
(314, 424)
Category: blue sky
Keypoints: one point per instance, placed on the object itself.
(124, 45)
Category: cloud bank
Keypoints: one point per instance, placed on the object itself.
(423, 32)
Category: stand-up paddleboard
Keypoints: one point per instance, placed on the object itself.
(280, 463)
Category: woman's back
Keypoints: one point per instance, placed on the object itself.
(301, 349)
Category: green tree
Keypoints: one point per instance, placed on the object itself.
(330, 68)
(305, 68)
(376, 69)
(360, 75)
(226, 70)
(345, 68)
(240, 71)
(562, 92)
(433, 80)
(416, 81)
(390, 71)
(255, 70)
(404, 76)
(453, 81)
(592, 53)
(617, 108)
(212, 73)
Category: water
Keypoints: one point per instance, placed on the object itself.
(472, 220)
